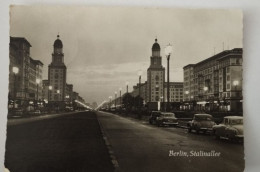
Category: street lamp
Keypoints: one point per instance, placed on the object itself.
(37, 82)
(37, 94)
(120, 90)
(236, 83)
(110, 98)
(205, 89)
(168, 51)
(50, 88)
(161, 103)
(140, 77)
(187, 94)
(126, 83)
(15, 71)
(187, 98)
(115, 99)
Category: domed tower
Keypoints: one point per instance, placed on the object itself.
(57, 73)
(57, 55)
(155, 78)
(156, 49)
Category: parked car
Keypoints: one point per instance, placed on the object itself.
(201, 122)
(231, 128)
(153, 117)
(166, 118)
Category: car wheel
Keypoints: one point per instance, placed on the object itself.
(189, 130)
(197, 131)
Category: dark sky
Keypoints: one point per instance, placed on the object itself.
(106, 46)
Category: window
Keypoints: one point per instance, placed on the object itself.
(228, 86)
(237, 61)
(228, 78)
(228, 69)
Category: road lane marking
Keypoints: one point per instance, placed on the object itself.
(109, 147)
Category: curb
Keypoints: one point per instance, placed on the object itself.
(109, 147)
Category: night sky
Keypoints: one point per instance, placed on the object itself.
(106, 46)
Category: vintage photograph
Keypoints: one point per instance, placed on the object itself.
(129, 89)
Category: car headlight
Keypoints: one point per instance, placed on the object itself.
(159, 118)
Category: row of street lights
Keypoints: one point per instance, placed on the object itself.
(120, 94)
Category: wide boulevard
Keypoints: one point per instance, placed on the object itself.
(101, 141)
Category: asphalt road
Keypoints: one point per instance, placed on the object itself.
(61, 143)
(140, 147)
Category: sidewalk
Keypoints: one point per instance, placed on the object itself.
(16, 121)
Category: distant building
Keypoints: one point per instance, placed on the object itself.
(216, 82)
(57, 73)
(143, 90)
(75, 95)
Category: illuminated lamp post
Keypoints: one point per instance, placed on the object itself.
(115, 99)
(15, 71)
(168, 51)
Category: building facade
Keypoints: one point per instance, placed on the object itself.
(35, 79)
(45, 90)
(23, 84)
(176, 92)
(69, 93)
(143, 90)
(57, 73)
(19, 58)
(188, 83)
(215, 83)
(155, 77)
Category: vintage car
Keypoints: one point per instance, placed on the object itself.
(154, 115)
(231, 128)
(166, 118)
(201, 122)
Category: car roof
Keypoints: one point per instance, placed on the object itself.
(233, 117)
(203, 115)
